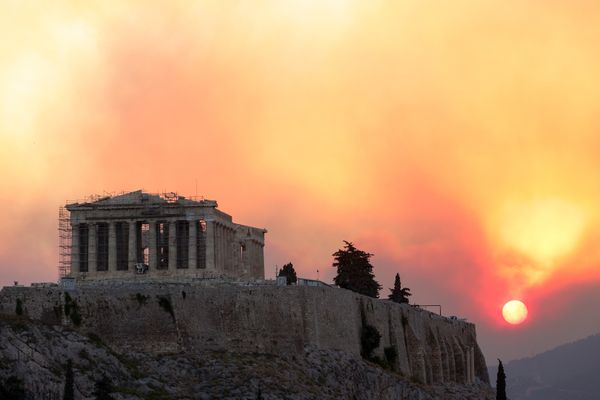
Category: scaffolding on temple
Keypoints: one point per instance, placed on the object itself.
(64, 242)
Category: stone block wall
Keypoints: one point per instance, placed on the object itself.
(159, 318)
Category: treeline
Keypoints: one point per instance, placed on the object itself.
(355, 272)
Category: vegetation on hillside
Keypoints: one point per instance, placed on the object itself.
(398, 293)
(354, 271)
(289, 272)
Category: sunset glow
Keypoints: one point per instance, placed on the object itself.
(456, 141)
(514, 312)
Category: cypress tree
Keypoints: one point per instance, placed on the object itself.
(398, 293)
(69, 393)
(500, 382)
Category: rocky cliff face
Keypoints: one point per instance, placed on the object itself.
(184, 341)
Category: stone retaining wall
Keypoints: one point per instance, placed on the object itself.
(164, 318)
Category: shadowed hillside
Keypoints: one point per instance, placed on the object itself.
(568, 372)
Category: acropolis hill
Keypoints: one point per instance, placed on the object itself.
(228, 334)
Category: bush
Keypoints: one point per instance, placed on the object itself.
(379, 361)
(141, 299)
(76, 317)
(289, 272)
(72, 310)
(369, 340)
(165, 304)
(19, 307)
(390, 355)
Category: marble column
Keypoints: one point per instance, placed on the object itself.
(472, 365)
(112, 246)
(172, 245)
(152, 247)
(224, 248)
(221, 237)
(229, 249)
(261, 261)
(469, 365)
(192, 239)
(74, 248)
(92, 245)
(210, 245)
(132, 249)
(220, 263)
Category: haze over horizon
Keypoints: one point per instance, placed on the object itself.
(457, 142)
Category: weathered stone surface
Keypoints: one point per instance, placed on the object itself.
(162, 236)
(38, 353)
(269, 320)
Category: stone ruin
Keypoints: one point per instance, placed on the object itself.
(140, 235)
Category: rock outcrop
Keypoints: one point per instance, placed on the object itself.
(228, 341)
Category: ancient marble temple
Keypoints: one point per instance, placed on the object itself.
(141, 234)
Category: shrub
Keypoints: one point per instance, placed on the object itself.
(369, 340)
(289, 272)
(141, 299)
(390, 355)
(382, 362)
(19, 307)
(76, 317)
(165, 304)
(72, 310)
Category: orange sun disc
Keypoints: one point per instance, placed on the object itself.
(514, 312)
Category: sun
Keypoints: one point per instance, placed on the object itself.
(514, 312)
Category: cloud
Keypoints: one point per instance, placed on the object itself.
(455, 142)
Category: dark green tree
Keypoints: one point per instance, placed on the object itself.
(398, 293)
(69, 393)
(354, 271)
(500, 382)
(102, 389)
(12, 389)
(289, 272)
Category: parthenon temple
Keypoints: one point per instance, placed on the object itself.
(138, 233)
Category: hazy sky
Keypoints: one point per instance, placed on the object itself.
(457, 141)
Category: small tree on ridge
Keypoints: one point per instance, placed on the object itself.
(398, 293)
(354, 271)
(289, 272)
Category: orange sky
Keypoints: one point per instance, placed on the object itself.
(458, 142)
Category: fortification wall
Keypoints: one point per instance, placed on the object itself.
(161, 318)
